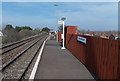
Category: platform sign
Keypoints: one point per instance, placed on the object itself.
(62, 36)
(81, 39)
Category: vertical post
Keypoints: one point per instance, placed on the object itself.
(63, 35)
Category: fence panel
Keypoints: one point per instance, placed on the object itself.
(101, 56)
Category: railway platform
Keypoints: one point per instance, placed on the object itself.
(56, 63)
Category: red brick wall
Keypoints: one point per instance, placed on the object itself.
(100, 55)
(72, 29)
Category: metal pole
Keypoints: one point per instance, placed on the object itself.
(63, 35)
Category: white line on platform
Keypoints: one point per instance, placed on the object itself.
(32, 76)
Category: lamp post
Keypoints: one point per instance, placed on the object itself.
(63, 35)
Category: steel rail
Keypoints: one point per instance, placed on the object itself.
(22, 76)
(26, 41)
(8, 45)
(20, 54)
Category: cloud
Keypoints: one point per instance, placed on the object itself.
(104, 17)
(94, 16)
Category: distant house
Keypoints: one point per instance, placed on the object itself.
(111, 36)
(104, 36)
(108, 36)
(89, 34)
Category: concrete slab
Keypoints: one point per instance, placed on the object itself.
(60, 64)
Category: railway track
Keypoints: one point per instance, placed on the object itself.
(11, 46)
(18, 65)
(12, 50)
(5, 51)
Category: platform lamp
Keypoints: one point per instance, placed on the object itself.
(63, 35)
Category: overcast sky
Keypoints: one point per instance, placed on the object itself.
(86, 15)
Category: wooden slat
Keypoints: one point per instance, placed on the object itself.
(99, 55)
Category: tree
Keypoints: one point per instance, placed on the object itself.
(8, 27)
(17, 28)
(11, 34)
(118, 38)
(45, 29)
(27, 27)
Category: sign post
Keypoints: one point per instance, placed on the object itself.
(63, 35)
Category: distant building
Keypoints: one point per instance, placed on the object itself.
(108, 36)
(52, 32)
(72, 29)
(1, 34)
(111, 36)
(89, 34)
(104, 36)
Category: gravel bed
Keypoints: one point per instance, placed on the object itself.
(14, 70)
(17, 44)
(28, 73)
(14, 46)
(1, 76)
(10, 55)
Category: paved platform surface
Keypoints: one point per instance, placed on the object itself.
(60, 64)
(1, 76)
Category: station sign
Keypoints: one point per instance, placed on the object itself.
(81, 39)
(62, 36)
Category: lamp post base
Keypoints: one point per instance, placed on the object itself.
(63, 48)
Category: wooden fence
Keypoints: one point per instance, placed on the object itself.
(101, 56)
(59, 36)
